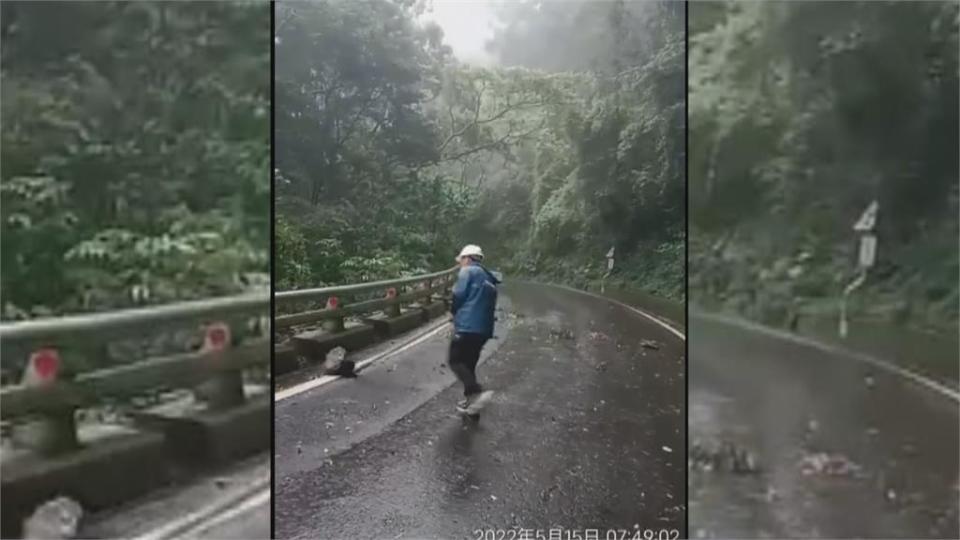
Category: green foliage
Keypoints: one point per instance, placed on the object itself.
(393, 155)
(605, 165)
(290, 255)
(352, 138)
(369, 268)
(800, 115)
(135, 148)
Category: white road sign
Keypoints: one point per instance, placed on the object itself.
(868, 219)
(868, 250)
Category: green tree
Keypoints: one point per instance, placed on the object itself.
(800, 115)
(392, 154)
(135, 153)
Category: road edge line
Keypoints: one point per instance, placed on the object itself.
(833, 349)
(195, 519)
(638, 311)
(254, 500)
(416, 339)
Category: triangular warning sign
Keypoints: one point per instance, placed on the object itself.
(868, 219)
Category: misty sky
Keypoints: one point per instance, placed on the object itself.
(466, 27)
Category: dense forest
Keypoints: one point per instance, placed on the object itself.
(135, 150)
(801, 114)
(391, 154)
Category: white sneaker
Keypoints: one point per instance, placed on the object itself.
(477, 403)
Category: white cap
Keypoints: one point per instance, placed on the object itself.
(470, 250)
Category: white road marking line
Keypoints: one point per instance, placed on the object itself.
(194, 519)
(326, 379)
(257, 500)
(303, 387)
(833, 349)
(653, 318)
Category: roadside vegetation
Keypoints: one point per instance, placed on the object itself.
(392, 153)
(135, 150)
(801, 114)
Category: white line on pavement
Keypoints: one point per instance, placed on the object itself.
(178, 527)
(808, 342)
(259, 499)
(430, 332)
(653, 318)
(326, 379)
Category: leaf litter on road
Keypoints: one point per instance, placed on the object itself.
(827, 464)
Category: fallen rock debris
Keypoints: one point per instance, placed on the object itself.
(826, 464)
(722, 456)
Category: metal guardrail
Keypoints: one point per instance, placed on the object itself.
(49, 402)
(422, 287)
(117, 324)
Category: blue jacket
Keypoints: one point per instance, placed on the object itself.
(474, 301)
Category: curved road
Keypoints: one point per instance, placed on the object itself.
(586, 432)
(845, 448)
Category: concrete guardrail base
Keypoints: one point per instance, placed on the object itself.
(315, 345)
(107, 472)
(434, 310)
(284, 359)
(388, 327)
(203, 438)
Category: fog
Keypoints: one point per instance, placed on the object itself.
(467, 27)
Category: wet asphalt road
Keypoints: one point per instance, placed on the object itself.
(782, 401)
(222, 505)
(586, 432)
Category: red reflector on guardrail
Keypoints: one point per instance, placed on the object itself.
(217, 337)
(43, 367)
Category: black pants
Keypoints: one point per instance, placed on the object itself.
(464, 355)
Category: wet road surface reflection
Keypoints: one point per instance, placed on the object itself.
(586, 431)
(843, 449)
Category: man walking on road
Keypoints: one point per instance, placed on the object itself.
(474, 302)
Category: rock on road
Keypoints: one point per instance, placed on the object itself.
(845, 448)
(586, 432)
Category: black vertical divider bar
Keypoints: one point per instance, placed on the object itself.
(273, 266)
(686, 266)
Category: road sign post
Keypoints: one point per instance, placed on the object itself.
(866, 258)
(603, 279)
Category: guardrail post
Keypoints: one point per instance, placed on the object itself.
(447, 281)
(335, 324)
(393, 310)
(429, 298)
(54, 432)
(224, 389)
